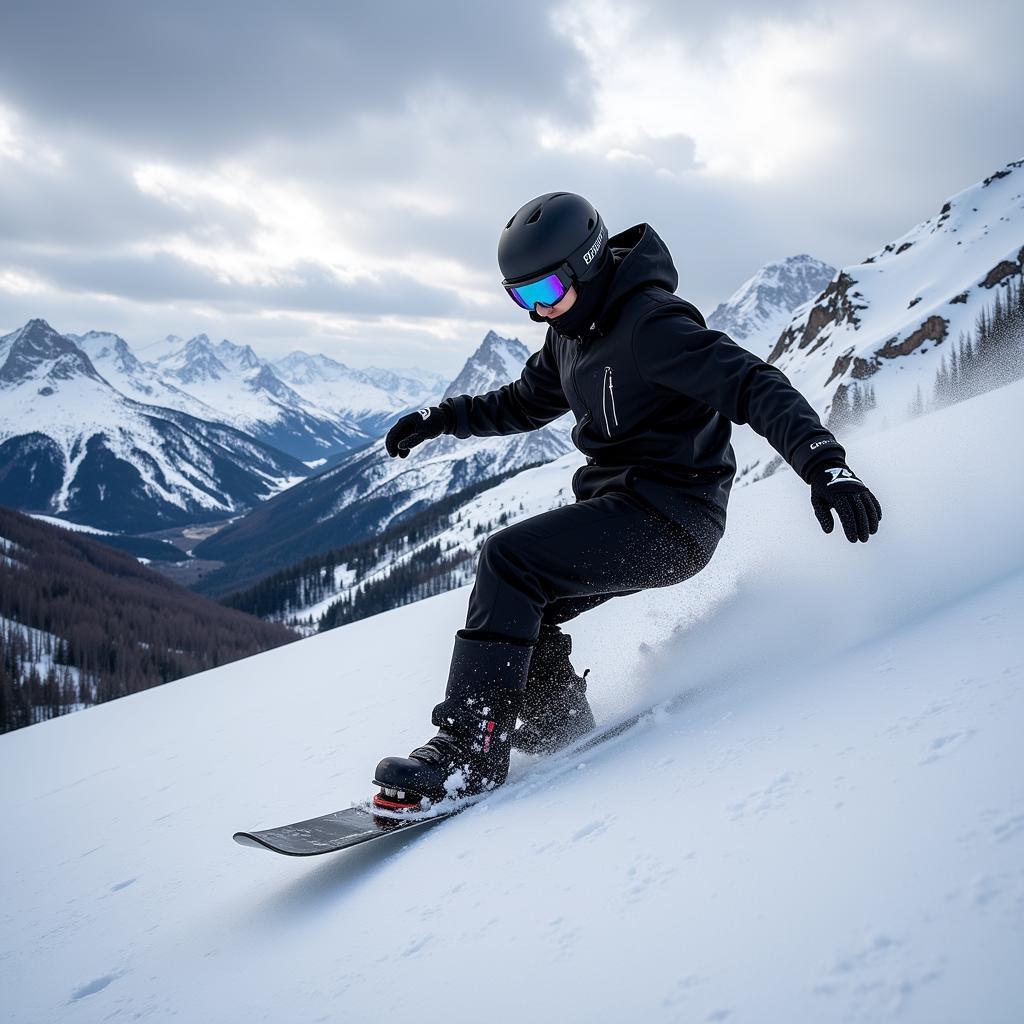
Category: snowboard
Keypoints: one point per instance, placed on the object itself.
(342, 830)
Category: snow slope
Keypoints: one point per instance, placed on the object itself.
(889, 321)
(831, 829)
(892, 318)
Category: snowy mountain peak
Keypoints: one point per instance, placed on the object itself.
(408, 386)
(302, 368)
(195, 363)
(762, 306)
(242, 356)
(104, 347)
(38, 352)
(267, 381)
(370, 397)
(413, 383)
(497, 361)
(114, 359)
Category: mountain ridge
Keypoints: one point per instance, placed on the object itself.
(72, 444)
(764, 304)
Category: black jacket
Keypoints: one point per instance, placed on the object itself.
(653, 391)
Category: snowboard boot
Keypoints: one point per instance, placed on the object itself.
(555, 711)
(471, 750)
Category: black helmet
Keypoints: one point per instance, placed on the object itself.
(554, 229)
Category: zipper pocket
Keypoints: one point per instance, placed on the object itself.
(608, 398)
(575, 433)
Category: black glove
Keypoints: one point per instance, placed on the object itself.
(416, 427)
(833, 486)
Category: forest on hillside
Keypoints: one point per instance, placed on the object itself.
(81, 623)
(986, 358)
(394, 568)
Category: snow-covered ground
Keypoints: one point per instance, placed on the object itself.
(831, 829)
(66, 524)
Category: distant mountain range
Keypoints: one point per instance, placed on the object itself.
(92, 433)
(72, 444)
(370, 398)
(309, 406)
(250, 395)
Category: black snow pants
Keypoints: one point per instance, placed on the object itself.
(548, 569)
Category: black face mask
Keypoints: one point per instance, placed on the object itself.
(589, 299)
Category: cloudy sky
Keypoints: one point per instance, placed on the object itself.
(334, 176)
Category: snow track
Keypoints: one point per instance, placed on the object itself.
(830, 829)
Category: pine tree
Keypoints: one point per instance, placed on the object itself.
(916, 407)
(839, 413)
(942, 385)
(857, 407)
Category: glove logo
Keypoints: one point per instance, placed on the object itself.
(425, 413)
(840, 474)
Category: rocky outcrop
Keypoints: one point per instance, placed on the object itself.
(935, 328)
(840, 366)
(864, 368)
(1002, 173)
(835, 306)
(1000, 272)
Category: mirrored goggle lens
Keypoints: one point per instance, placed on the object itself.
(547, 291)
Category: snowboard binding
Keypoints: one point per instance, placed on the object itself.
(396, 800)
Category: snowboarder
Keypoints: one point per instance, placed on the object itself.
(654, 393)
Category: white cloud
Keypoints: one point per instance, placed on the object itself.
(17, 283)
(743, 100)
(356, 207)
(15, 146)
(287, 225)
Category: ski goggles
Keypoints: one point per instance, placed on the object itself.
(547, 290)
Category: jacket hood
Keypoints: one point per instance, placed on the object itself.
(642, 261)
